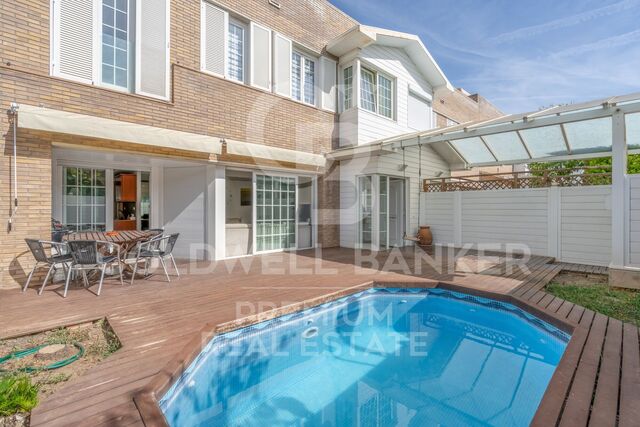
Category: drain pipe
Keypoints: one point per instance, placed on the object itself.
(13, 110)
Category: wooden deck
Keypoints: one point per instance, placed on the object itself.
(597, 382)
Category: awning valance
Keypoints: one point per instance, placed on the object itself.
(260, 151)
(49, 120)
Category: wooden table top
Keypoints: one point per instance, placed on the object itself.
(120, 237)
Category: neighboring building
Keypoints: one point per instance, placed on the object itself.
(227, 121)
(456, 107)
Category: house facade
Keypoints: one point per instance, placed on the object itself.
(226, 121)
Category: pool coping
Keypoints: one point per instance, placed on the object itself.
(147, 399)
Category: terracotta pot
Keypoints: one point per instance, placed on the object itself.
(425, 236)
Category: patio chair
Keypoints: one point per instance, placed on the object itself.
(57, 256)
(160, 247)
(86, 256)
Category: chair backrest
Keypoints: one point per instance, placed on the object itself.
(155, 231)
(171, 241)
(37, 249)
(84, 251)
(58, 235)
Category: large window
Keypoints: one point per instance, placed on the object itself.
(275, 213)
(115, 43)
(348, 87)
(235, 52)
(84, 198)
(376, 92)
(303, 78)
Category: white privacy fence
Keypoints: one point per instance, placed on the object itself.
(572, 224)
(634, 221)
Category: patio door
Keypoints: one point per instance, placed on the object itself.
(84, 198)
(275, 212)
(365, 211)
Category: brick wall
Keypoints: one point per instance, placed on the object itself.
(462, 107)
(200, 103)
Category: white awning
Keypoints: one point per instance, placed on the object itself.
(44, 119)
(260, 151)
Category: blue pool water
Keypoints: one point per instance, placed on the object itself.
(378, 358)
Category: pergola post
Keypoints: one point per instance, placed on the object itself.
(619, 205)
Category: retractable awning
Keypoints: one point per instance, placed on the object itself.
(260, 151)
(45, 119)
(565, 132)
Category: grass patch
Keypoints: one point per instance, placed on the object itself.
(620, 304)
(17, 394)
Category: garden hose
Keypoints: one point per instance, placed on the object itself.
(29, 351)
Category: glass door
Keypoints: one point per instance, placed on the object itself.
(383, 201)
(275, 213)
(84, 198)
(365, 210)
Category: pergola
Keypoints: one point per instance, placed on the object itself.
(600, 128)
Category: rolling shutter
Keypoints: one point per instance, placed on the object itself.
(282, 65)
(213, 41)
(419, 114)
(152, 46)
(260, 56)
(328, 83)
(73, 39)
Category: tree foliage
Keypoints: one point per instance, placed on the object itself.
(598, 165)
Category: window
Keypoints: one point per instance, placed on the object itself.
(348, 87)
(384, 96)
(368, 90)
(303, 78)
(376, 93)
(84, 198)
(115, 43)
(235, 52)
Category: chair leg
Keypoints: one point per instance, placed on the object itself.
(46, 279)
(103, 269)
(120, 271)
(146, 267)
(164, 267)
(26, 285)
(135, 268)
(85, 279)
(66, 285)
(173, 260)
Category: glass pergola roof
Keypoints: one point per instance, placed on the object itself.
(582, 130)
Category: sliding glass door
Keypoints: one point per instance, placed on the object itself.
(365, 211)
(84, 198)
(275, 213)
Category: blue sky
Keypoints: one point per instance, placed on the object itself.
(522, 55)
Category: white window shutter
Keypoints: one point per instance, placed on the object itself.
(213, 40)
(328, 83)
(282, 65)
(152, 48)
(260, 58)
(73, 39)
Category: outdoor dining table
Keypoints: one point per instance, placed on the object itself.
(125, 239)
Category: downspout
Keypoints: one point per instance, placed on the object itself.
(13, 111)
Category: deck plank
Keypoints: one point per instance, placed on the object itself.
(155, 319)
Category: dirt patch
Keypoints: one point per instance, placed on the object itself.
(16, 420)
(96, 338)
(581, 279)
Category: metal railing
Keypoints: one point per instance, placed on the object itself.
(567, 177)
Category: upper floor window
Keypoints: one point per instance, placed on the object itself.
(347, 75)
(115, 43)
(126, 46)
(236, 52)
(303, 78)
(376, 92)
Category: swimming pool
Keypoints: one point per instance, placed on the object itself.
(382, 357)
